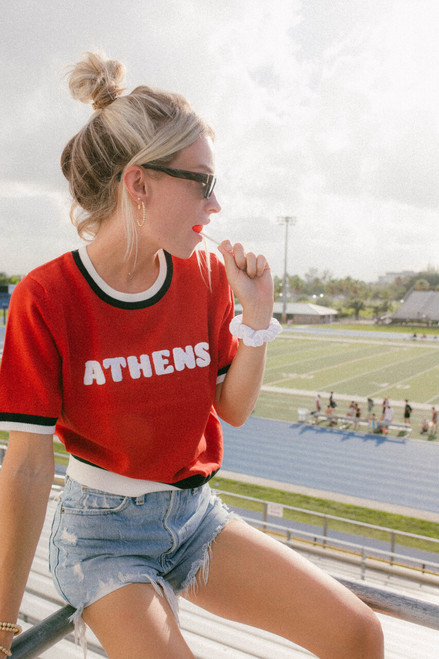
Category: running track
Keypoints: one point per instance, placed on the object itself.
(388, 470)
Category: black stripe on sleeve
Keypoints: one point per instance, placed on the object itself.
(223, 370)
(28, 418)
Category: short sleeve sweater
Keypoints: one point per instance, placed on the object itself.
(126, 381)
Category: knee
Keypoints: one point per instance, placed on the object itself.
(365, 637)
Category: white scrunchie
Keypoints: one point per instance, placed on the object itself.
(251, 337)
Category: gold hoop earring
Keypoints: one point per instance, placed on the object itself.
(140, 224)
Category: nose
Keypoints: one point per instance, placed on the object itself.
(214, 206)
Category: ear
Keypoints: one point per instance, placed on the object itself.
(136, 182)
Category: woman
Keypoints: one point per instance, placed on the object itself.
(124, 349)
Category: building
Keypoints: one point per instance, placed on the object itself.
(391, 277)
(302, 313)
(419, 307)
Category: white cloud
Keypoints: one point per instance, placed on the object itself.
(322, 110)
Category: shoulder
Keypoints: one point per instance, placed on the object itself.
(44, 280)
(49, 272)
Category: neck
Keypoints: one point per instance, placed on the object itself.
(127, 275)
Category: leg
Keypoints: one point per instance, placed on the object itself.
(135, 622)
(256, 580)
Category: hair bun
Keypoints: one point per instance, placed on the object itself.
(96, 79)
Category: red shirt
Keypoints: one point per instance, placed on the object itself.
(126, 381)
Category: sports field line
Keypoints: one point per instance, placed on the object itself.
(381, 368)
(344, 397)
(325, 368)
(301, 361)
(350, 339)
(427, 370)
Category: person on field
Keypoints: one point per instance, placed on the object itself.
(387, 418)
(425, 426)
(357, 416)
(373, 423)
(129, 350)
(433, 423)
(407, 411)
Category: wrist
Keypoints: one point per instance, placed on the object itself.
(257, 319)
(254, 337)
(6, 639)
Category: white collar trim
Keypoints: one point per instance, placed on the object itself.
(118, 295)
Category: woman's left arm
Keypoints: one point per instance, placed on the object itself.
(250, 278)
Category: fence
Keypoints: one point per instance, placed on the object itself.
(36, 640)
(388, 556)
(44, 635)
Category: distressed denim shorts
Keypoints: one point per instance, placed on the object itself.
(101, 542)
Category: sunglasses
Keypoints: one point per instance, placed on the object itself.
(208, 180)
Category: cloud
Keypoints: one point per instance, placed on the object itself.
(323, 110)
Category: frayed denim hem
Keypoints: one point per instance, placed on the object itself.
(199, 572)
(161, 587)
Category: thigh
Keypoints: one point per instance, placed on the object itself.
(136, 622)
(257, 580)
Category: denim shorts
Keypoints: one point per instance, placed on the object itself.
(101, 542)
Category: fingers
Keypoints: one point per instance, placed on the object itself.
(252, 265)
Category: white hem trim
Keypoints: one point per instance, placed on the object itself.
(107, 481)
(27, 427)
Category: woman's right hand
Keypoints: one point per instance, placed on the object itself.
(250, 279)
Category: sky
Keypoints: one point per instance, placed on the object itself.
(325, 111)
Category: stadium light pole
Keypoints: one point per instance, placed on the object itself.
(285, 220)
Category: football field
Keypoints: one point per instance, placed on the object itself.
(374, 367)
(355, 367)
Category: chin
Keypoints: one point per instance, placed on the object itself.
(181, 252)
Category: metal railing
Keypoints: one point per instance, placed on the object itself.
(31, 643)
(47, 633)
(345, 548)
(390, 556)
(43, 636)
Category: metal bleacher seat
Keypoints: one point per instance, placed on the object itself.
(208, 636)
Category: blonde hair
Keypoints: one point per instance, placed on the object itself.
(145, 126)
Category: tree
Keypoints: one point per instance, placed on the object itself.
(5, 279)
(357, 305)
(296, 284)
(421, 285)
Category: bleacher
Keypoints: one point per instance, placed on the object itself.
(211, 637)
(402, 429)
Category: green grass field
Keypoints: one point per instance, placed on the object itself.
(300, 365)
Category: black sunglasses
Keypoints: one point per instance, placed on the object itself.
(208, 180)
